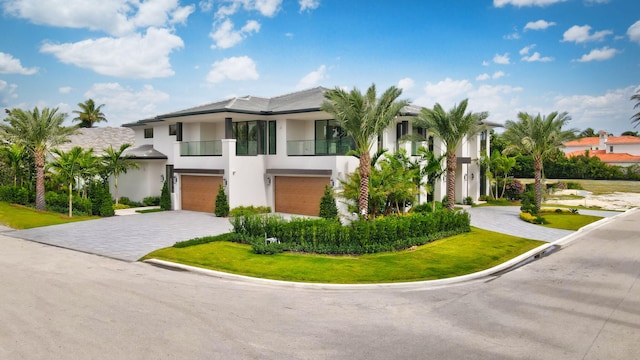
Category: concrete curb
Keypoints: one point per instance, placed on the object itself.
(483, 275)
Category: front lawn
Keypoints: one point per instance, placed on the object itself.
(568, 221)
(22, 217)
(457, 255)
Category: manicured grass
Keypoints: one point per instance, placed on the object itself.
(598, 187)
(146, 211)
(21, 217)
(500, 202)
(568, 221)
(453, 256)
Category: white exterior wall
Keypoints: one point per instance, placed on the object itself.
(137, 184)
(633, 149)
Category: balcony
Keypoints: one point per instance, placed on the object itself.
(201, 148)
(319, 147)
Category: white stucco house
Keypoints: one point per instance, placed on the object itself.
(613, 150)
(278, 152)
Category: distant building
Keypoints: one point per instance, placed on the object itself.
(612, 150)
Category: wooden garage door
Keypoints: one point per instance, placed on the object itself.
(299, 195)
(199, 192)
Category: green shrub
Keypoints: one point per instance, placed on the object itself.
(261, 246)
(249, 210)
(468, 200)
(101, 201)
(151, 200)
(126, 201)
(165, 197)
(120, 206)
(205, 240)
(532, 218)
(426, 207)
(574, 186)
(59, 202)
(328, 208)
(222, 205)
(15, 195)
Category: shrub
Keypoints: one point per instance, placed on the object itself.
(573, 211)
(59, 202)
(468, 200)
(222, 205)
(130, 203)
(151, 200)
(485, 198)
(249, 210)
(513, 189)
(124, 200)
(328, 208)
(15, 195)
(528, 203)
(165, 197)
(101, 201)
(574, 186)
(531, 218)
(120, 206)
(205, 240)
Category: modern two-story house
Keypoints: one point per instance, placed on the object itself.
(279, 152)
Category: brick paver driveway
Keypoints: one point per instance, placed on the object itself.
(127, 237)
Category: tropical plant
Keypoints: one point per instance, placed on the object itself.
(430, 167)
(165, 197)
(89, 114)
(37, 131)
(636, 117)
(537, 136)
(363, 117)
(588, 132)
(13, 156)
(222, 204)
(629, 133)
(328, 208)
(451, 127)
(116, 164)
(67, 166)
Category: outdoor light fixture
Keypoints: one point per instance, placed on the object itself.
(267, 180)
(161, 178)
(472, 176)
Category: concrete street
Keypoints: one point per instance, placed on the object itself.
(582, 302)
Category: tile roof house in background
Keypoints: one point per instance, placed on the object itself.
(613, 150)
(279, 152)
(99, 139)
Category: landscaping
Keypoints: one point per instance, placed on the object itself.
(454, 256)
(21, 217)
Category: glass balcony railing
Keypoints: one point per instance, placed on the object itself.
(319, 147)
(201, 148)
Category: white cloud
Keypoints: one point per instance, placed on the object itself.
(446, 92)
(308, 4)
(11, 65)
(634, 32)
(485, 63)
(65, 89)
(499, 100)
(226, 36)
(233, 68)
(123, 104)
(536, 57)
(591, 2)
(525, 50)
(498, 75)
(267, 8)
(206, 5)
(502, 59)
(580, 34)
(513, 36)
(313, 78)
(7, 93)
(602, 54)
(406, 84)
(483, 77)
(522, 3)
(538, 25)
(133, 56)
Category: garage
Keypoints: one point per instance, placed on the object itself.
(199, 192)
(299, 195)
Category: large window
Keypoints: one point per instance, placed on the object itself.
(148, 133)
(172, 129)
(250, 137)
(330, 139)
(420, 136)
(272, 137)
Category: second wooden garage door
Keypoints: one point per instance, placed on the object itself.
(199, 192)
(299, 195)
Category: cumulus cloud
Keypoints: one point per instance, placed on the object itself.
(581, 34)
(124, 104)
(525, 50)
(11, 65)
(227, 36)
(513, 36)
(483, 77)
(498, 75)
(267, 8)
(313, 78)
(485, 63)
(308, 5)
(502, 59)
(65, 89)
(406, 84)
(7, 93)
(446, 92)
(602, 54)
(233, 68)
(634, 32)
(206, 5)
(538, 25)
(523, 3)
(536, 57)
(134, 56)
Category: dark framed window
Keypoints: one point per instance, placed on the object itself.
(330, 139)
(250, 137)
(610, 149)
(173, 129)
(148, 133)
(430, 142)
(402, 130)
(420, 135)
(272, 137)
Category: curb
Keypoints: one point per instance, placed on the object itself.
(481, 276)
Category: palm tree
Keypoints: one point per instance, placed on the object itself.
(13, 156)
(67, 166)
(451, 127)
(636, 117)
(117, 164)
(37, 132)
(363, 117)
(89, 114)
(537, 136)
(588, 132)
(431, 168)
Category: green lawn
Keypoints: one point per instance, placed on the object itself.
(568, 221)
(598, 187)
(21, 217)
(457, 255)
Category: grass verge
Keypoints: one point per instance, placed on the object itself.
(568, 221)
(22, 217)
(457, 255)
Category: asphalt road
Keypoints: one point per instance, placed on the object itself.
(582, 302)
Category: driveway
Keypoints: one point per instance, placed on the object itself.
(127, 237)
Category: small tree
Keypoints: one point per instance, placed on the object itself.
(328, 208)
(165, 197)
(222, 205)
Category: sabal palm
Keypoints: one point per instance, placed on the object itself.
(363, 117)
(38, 132)
(537, 136)
(89, 114)
(451, 127)
(116, 164)
(636, 117)
(68, 166)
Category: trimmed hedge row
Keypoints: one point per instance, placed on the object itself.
(16, 195)
(360, 237)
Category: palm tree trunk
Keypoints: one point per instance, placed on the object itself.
(70, 200)
(537, 171)
(365, 170)
(39, 160)
(451, 179)
(115, 187)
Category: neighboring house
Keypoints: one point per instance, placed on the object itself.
(279, 152)
(613, 150)
(99, 139)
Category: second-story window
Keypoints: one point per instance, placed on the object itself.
(172, 129)
(148, 133)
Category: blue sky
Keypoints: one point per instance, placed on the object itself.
(144, 58)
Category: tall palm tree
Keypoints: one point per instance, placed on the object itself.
(451, 127)
(117, 164)
(363, 117)
(431, 168)
(37, 131)
(537, 136)
(67, 166)
(89, 114)
(636, 117)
